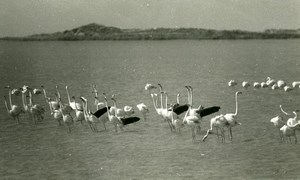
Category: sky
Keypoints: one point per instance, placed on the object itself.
(27, 17)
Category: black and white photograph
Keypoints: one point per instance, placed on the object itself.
(149, 89)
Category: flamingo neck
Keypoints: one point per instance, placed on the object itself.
(45, 94)
(23, 101)
(108, 113)
(30, 99)
(115, 105)
(166, 101)
(191, 97)
(84, 111)
(295, 115)
(177, 99)
(236, 105)
(5, 102)
(68, 96)
(154, 104)
(58, 93)
(9, 96)
(75, 106)
(186, 114)
(61, 108)
(188, 91)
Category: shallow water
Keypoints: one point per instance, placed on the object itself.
(147, 149)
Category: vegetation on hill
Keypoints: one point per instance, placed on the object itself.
(95, 31)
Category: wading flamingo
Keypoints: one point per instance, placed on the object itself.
(72, 104)
(219, 123)
(176, 122)
(36, 110)
(89, 117)
(288, 132)
(52, 104)
(112, 117)
(79, 116)
(13, 110)
(66, 116)
(229, 119)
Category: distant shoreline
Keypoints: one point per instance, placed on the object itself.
(95, 31)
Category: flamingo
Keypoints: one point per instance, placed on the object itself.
(158, 110)
(275, 86)
(270, 82)
(126, 111)
(89, 117)
(287, 88)
(26, 106)
(176, 122)
(230, 118)
(72, 104)
(281, 83)
(143, 109)
(232, 83)
(245, 84)
(13, 110)
(296, 84)
(256, 85)
(66, 116)
(263, 84)
(227, 120)
(288, 132)
(218, 122)
(112, 117)
(53, 105)
(200, 111)
(193, 122)
(66, 107)
(57, 113)
(36, 110)
(149, 87)
(193, 111)
(79, 114)
(16, 92)
(101, 112)
(278, 123)
(179, 109)
(166, 114)
(37, 91)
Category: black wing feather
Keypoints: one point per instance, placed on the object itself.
(208, 111)
(100, 112)
(129, 120)
(180, 109)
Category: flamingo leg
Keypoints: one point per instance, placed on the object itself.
(230, 131)
(217, 133)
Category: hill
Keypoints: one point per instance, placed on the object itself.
(95, 31)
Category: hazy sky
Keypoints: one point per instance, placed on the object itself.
(25, 17)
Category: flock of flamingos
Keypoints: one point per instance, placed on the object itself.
(175, 115)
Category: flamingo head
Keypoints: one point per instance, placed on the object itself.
(8, 86)
(238, 92)
(149, 86)
(16, 92)
(83, 99)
